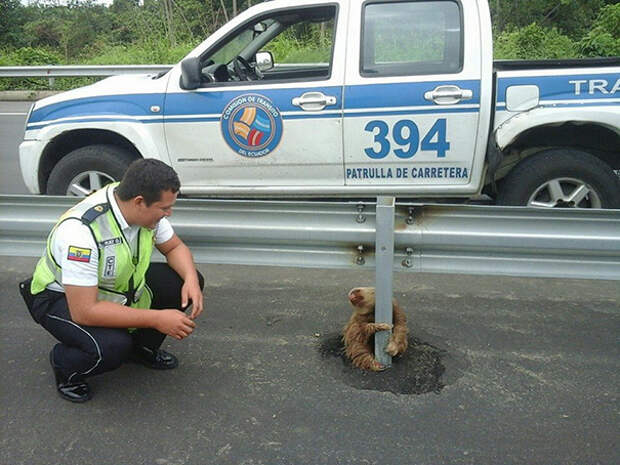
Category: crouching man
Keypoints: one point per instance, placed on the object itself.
(96, 291)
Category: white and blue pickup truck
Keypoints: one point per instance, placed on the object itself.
(344, 98)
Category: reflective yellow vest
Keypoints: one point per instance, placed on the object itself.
(121, 275)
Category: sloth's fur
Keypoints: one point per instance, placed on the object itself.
(358, 333)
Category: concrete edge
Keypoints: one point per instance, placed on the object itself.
(26, 95)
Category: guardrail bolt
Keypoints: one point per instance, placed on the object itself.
(410, 217)
(360, 260)
(408, 262)
(360, 216)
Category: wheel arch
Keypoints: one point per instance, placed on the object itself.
(599, 139)
(68, 141)
(595, 131)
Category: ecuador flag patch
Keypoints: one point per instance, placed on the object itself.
(78, 254)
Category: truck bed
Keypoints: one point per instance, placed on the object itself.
(516, 65)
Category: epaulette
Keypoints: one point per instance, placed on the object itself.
(92, 213)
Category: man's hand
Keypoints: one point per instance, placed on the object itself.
(191, 291)
(180, 259)
(87, 310)
(173, 323)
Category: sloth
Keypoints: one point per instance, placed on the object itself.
(358, 332)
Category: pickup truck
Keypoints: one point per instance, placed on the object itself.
(339, 98)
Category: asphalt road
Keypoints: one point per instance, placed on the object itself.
(12, 119)
(526, 372)
(530, 370)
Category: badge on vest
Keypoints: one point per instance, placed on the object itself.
(109, 242)
(110, 265)
(78, 254)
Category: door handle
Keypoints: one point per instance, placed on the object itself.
(314, 101)
(448, 95)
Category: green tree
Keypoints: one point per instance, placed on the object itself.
(570, 17)
(12, 19)
(534, 42)
(604, 37)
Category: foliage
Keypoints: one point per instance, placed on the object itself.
(570, 17)
(27, 56)
(303, 44)
(12, 18)
(603, 39)
(534, 42)
(156, 52)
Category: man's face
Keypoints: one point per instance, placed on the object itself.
(150, 215)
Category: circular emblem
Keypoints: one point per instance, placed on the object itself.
(251, 125)
(98, 208)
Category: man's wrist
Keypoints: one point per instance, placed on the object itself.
(155, 318)
(192, 276)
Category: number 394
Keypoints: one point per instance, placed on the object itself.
(406, 136)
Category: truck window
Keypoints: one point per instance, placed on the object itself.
(300, 42)
(234, 47)
(411, 38)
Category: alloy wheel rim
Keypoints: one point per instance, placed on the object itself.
(565, 193)
(88, 182)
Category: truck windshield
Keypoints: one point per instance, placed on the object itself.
(234, 47)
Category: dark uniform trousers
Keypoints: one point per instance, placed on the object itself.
(89, 350)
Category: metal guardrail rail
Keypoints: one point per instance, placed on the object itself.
(52, 71)
(459, 239)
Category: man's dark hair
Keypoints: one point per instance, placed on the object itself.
(149, 178)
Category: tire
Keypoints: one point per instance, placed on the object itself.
(87, 169)
(561, 178)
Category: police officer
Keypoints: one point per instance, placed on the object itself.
(95, 290)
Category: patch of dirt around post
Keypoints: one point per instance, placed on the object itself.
(418, 371)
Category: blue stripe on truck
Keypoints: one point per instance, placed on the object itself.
(196, 103)
(121, 105)
(377, 99)
(402, 94)
(563, 87)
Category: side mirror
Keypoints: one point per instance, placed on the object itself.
(264, 61)
(190, 74)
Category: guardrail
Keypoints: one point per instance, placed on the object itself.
(79, 70)
(53, 71)
(512, 241)
(384, 236)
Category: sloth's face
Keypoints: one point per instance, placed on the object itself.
(362, 299)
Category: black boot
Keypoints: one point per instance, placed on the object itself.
(75, 391)
(157, 359)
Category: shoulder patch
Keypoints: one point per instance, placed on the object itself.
(78, 254)
(92, 213)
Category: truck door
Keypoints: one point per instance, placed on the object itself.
(413, 91)
(255, 127)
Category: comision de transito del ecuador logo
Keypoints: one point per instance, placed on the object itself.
(251, 125)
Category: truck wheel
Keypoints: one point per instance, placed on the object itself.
(87, 169)
(561, 178)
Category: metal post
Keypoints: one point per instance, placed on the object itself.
(384, 254)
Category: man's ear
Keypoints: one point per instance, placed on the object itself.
(139, 201)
